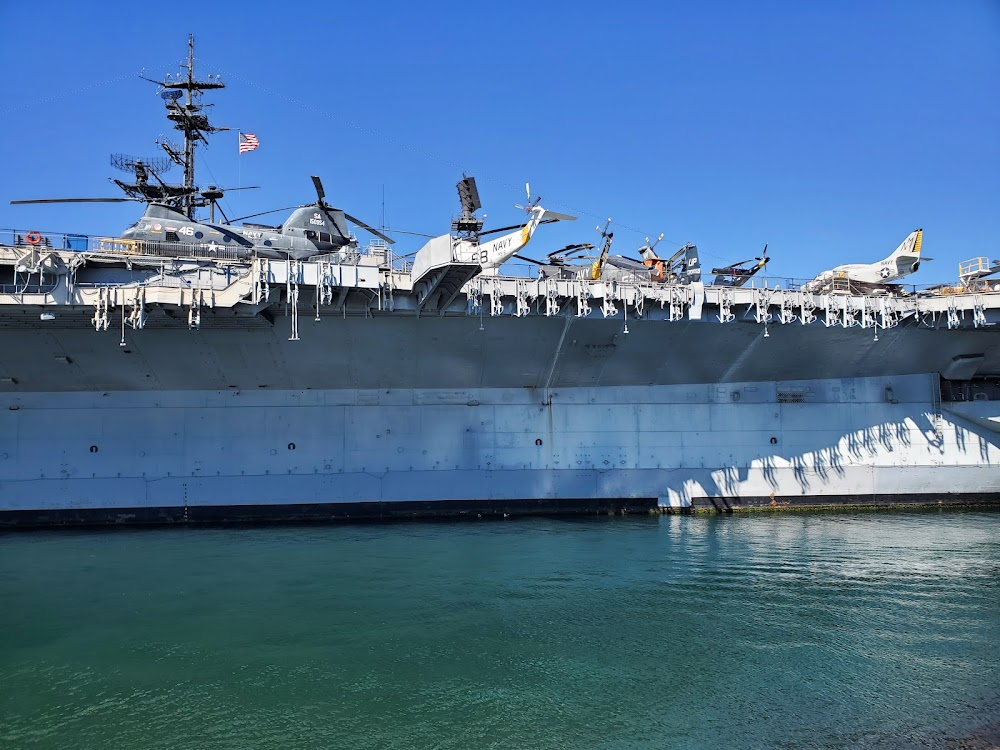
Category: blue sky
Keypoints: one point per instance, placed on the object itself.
(829, 130)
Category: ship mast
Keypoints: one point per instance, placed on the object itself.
(190, 120)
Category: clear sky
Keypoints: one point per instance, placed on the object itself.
(829, 130)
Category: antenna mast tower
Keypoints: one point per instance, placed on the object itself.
(189, 119)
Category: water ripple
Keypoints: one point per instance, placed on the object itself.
(812, 631)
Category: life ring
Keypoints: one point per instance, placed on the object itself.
(33, 237)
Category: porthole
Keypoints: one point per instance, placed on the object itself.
(93, 449)
(291, 446)
(199, 235)
(538, 441)
(774, 441)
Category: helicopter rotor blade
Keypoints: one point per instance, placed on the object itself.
(318, 184)
(531, 260)
(368, 228)
(404, 231)
(80, 200)
(501, 229)
(515, 226)
(571, 249)
(556, 216)
(264, 213)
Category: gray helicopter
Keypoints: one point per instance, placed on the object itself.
(312, 229)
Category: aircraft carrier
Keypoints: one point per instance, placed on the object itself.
(169, 378)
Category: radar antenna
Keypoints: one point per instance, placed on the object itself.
(127, 163)
(468, 224)
(144, 169)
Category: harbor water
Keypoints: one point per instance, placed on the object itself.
(811, 630)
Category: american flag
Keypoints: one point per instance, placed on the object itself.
(248, 142)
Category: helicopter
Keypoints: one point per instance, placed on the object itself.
(464, 245)
(312, 229)
(682, 267)
(492, 254)
(560, 263)
(738, 274)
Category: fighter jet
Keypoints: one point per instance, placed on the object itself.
(872, 277)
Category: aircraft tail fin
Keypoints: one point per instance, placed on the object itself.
(692, 263)
(906, 258)
(910, 247)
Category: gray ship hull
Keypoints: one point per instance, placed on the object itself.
(145, 456)
(384, 407)
(374, 351)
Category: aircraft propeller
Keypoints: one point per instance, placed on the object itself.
(531, 203)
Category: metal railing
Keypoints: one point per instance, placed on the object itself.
(117, 246)
(980, 266)
(29, 238)
(83, 243)
(33, 288)
(789, 283)
(387, 258)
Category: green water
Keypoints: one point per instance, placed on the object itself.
(781, 631)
